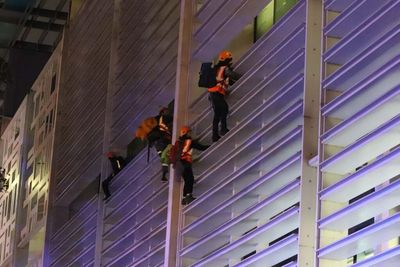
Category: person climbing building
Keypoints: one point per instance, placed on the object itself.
(117, 164)
(163, 144)
(225, 76)
(187, 145)
(3, 180)
(156, 131)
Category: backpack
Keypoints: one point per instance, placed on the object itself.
(153, 135)
(146, 127)
(175, 152)
(207, 76)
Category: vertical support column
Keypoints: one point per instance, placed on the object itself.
(180, 118)
(308, 197)
(55, 213)
(107, 126)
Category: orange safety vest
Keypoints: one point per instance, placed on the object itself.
(222, 82)
(187, 150)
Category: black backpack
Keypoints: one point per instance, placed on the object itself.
(207, 75)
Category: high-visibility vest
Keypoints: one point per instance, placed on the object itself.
(222, 82)
(187, 150)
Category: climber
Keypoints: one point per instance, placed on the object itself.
(163, 144)
(117, 164)
(225, 76)
(157, 131)
(186, 144)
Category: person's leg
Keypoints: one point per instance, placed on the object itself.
(105, 184)
(215, 134)
(217, 116)
(185, 176)
(189, 180)
(165, 162)
(224, 115)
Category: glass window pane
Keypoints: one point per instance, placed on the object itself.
(265, 20)
(282, 7)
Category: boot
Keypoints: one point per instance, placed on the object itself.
(224, 128)
(215, 138)
(188, 199)
(215, 135)
(224, 131)
(106, 191)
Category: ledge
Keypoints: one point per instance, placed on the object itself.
(365, 149)
(277, 227)
(363, 209)
(336, 5)
(227, 26)
(285, 147)
(153, 252)
(362, 240)
(377, 84)
(374, 57)
(282, 250)
(267, 185)
(370, 176)
(364, 121)
(388, 258)
(267, 208)
(371, 30)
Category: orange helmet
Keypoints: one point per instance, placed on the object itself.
(224, 55)
(184, 130)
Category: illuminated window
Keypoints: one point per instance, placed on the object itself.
(264, 20)
(282, 7)
(270, 15)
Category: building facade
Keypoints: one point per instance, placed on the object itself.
(13, 151)
(306, 176)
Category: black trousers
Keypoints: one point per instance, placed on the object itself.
(105, 184)
(187, 174)
(221, 110)
(161, 144)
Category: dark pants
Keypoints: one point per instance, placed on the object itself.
(105, 184)
(161, 144)
(221, 110)
(188, 177)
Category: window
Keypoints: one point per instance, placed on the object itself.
(37, 106)
(16, 132)
(282, 7)
(53, 83)
(9, 202)
(275, 10)
(264, 20)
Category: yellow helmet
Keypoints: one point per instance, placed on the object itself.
(224, 55)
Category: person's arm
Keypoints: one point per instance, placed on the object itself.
(233, 76)
(198, 146)
(121, 161)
